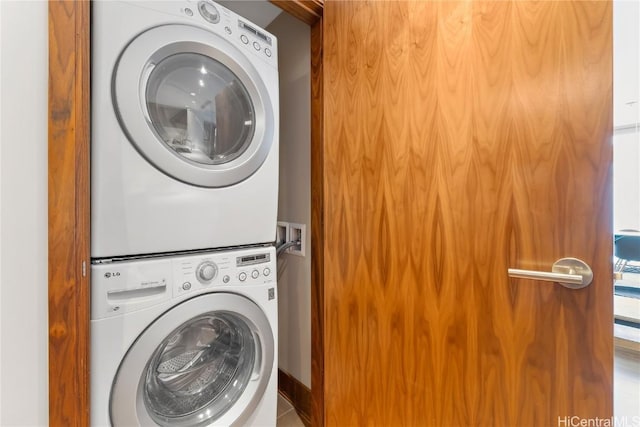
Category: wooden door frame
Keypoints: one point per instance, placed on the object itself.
(69, 208)
(69, 204)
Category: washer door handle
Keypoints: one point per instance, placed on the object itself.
(257, 366)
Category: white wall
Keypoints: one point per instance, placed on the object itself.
(626, 62)
(626, 117)
(23, 213)
(626, 181)
(294, 203)
(1, 21)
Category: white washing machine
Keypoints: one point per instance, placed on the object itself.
(184, 134)
(185, 341)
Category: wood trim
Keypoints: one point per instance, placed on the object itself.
(298, 394)
(317, 226)
(69, 204)
(309, 11)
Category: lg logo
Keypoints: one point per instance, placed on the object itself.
(107, 274)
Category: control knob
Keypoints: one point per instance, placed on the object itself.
(206, 272)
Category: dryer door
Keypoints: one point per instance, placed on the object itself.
(193, 105)
(206, 361)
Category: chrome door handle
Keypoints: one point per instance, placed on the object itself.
(571, 273)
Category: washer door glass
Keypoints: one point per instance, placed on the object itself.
(208, 359)
(200, 109)
(200, 370)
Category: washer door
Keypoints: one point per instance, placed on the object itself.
(193, 105)
(208, 359)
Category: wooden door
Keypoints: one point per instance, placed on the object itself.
(463, 138)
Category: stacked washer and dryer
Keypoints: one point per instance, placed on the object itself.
(183, 212)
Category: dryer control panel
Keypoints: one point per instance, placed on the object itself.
(244, 34)
(124, 286)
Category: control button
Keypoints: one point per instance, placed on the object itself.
(208, 11)
(267, 52)
(266, 271)
(188, 11)
(242, 276)
(206, 272)
(255, 274)
(244, 39)
(228, 30)
(256, 46)
(186, 286)
(226, 279)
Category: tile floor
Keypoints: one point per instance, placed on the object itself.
(287, 417)
(626, 382)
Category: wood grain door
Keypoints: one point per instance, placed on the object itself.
(463, 138)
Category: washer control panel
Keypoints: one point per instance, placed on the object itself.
(242, 267)
(120, 287)
(206, 272)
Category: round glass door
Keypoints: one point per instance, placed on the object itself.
(200, 109)
(206, 360)
(194, 106)
(200, 370)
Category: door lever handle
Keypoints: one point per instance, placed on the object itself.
(571, 273)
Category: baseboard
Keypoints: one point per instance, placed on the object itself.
(298, 394)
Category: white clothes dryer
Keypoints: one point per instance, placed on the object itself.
(185, 341)
(184, 134)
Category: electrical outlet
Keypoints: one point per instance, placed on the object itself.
(282, 233)
(297, 232)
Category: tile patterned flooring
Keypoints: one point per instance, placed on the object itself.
(287, 417)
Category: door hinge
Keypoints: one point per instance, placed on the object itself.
(84, 269)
